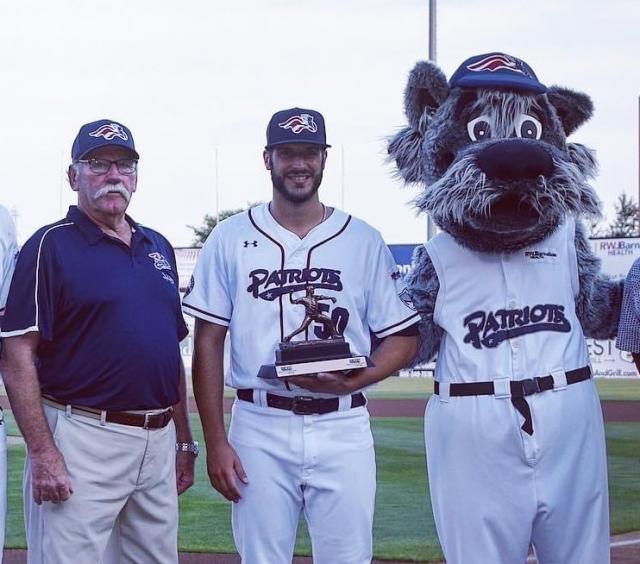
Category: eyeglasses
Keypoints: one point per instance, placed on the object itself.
(102, 166)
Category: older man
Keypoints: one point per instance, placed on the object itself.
(93, 369)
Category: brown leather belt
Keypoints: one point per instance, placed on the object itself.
(144, 420)
(303, 405)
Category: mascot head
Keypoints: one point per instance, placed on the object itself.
(490, 148)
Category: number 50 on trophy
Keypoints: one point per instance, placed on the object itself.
(294, 358)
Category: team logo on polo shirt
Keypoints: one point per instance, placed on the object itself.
(159, 261)
(109, 131)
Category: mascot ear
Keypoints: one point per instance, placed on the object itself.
(573, 108)
(426, 90)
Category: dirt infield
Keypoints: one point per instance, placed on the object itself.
(625, 549)
(620, 411)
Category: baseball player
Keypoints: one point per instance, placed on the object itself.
(8, 253)
(308, 450)
(94, 373)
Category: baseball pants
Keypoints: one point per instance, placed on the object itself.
(117, 472)
(320, 465)
(495, 489)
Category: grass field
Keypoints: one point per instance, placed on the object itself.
(404, 527)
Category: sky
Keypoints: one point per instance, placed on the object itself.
(196, 82)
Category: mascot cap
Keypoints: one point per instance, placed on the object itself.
(296, 125)
(102, 133)
(497, 70)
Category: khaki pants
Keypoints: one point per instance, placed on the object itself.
(117, 473)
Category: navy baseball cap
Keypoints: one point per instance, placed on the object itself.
(296, 125)
(102, 133)
(495, 70)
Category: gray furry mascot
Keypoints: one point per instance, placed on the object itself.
(507, 292)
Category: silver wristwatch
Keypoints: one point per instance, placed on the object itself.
(193, 448)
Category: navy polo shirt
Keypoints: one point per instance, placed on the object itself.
(108, 315)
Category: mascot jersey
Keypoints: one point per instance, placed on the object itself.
(499, 310)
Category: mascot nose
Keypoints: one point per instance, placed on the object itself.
(514, 159)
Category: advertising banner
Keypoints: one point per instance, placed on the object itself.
(617, 256)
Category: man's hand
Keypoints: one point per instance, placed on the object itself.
(49, 477)
(337, 383)
(223, 467)
(185, 464)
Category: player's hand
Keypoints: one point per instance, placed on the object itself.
(49, 476)
(224, 469)
(185, 465)
(337, 383)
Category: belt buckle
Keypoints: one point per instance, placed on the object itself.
(301, 405)
(145, 425)
(530, 386)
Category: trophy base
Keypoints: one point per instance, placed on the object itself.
(271, 371)
(310, 351)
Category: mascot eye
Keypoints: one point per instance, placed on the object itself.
(528, 127)
(478, 129)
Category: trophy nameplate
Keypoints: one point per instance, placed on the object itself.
(296, 358)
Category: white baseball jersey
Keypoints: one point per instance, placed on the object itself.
(511, 316)
(250, 265)
(8, 253)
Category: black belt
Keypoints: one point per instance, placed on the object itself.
(303, 405)
(144, 420)
(519, 390)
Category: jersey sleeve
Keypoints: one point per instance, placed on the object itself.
(33, 292)
(628, 338)
(208, 296)
(389, 305)
(8, 255)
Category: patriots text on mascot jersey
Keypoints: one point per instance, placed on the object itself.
(507, 292)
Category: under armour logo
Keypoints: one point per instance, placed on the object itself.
(253, 243)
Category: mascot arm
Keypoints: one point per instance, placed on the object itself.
(599, 297)
(423, 285)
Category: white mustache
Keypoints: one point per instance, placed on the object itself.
(110, 188)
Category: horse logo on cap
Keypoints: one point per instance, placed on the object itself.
(300, 123)
(493, 63)
(109, 131)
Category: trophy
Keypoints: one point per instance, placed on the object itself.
(295, 358)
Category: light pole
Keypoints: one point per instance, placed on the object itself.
(432, 58)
